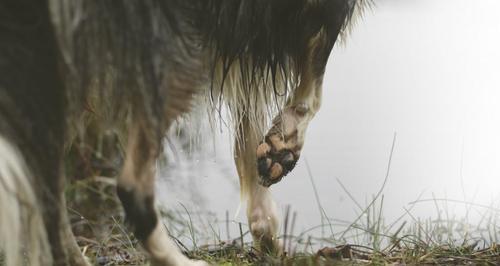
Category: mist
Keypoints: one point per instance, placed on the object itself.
(424, 74)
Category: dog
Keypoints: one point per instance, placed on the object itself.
(140, 64)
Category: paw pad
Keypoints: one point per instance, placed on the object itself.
(274, 163)
(278, 154)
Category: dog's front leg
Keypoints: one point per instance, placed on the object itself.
(261, 209)
(280, 150)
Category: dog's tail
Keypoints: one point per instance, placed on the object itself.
(23, 240)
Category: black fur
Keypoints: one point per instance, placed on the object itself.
(33, 105)
(269, 38)
(140, 212)
(124, 50)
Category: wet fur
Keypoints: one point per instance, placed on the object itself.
(135, 66)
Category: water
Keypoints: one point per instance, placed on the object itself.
(427, 70)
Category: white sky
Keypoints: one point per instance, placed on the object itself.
(428, 70)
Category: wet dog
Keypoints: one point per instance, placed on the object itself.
(140, 64)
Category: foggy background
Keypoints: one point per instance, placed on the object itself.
(427, 70)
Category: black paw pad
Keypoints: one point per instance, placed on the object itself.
(273, 165)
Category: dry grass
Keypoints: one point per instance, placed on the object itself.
(440, 241)
(367, 239)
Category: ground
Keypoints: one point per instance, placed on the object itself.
(98, 224)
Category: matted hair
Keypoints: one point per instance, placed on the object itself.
(124, 50)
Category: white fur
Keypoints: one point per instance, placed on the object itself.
(21, 224)
(256, 106)
(164, 252)
(261, 210)
(262, 214)
(252, 119)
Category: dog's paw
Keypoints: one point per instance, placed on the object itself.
(279, 152)
(274, 164)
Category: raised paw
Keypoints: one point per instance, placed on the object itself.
(274, 164)
(279, 152)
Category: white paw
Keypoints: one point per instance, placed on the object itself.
(264, 223)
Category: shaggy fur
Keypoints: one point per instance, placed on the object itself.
(21, 224)
(138, 65)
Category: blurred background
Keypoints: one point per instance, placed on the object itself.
(425, 70)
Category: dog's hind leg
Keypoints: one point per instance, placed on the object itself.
(73, 252)
(280, 150)
(136, 191)
(261, 209)
(32, 123)
(64, 247)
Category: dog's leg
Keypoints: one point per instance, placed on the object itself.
(67, 242)
(136, 191)
(32, 115)
(280, 150)
(261, 208)
(75, 256)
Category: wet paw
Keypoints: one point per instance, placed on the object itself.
(274, 164)
(278, 154)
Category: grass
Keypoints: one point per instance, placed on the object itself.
(366, 240)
